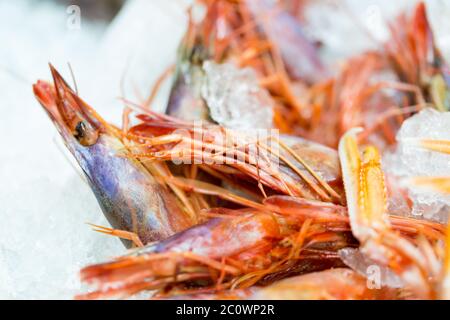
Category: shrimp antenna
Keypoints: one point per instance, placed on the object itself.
(73, 77)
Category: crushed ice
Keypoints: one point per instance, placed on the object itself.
(409, 160)
(364, 266)
(235, 98)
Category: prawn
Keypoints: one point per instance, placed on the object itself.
(241, 249)
(332, 284)
(233, 34)
(414, 56)
(130, 197)
(289, 165)
(416, 261)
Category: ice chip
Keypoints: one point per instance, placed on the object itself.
(428, 124)
(235, 98)
(411, 160)
(359, 263)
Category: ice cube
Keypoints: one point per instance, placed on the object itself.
(361, 264)
(235, 98)
(410, 160)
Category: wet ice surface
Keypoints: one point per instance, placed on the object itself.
(45, 204)
(234, 97)
(43, 236)
(409, 160)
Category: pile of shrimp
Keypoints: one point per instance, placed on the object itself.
(209, 210)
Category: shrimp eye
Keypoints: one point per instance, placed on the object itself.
(85, 135)
(80, 130)
(198, 54)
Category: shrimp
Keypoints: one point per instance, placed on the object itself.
(218, 213)
(325, 212)
(286, 33)
(185, 100)
(342, 101)
(129, 196)
(414, 56)
(240, 249)
(235, 250)
(332, 284)
(286, 164)
(416, 261)
(410, 64)
(356, 96)
(232, 37)
(206, 51)
(208, 250)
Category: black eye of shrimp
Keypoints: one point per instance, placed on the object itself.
(80, 131)
(85, 134)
